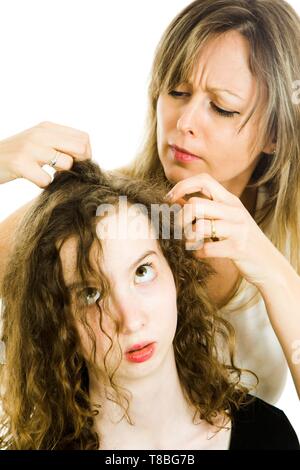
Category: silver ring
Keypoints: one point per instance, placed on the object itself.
(53, 161)
(213, 236)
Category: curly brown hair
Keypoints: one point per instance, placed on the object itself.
(45, 381)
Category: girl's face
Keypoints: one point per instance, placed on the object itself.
(143, 299)
(204, 115)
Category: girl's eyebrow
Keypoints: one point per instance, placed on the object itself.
(79, 285)
(76, 285)
(147, 253)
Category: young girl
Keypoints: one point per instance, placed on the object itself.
(224, 121)
(111, 340)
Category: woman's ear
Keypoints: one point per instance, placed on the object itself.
(270, 147)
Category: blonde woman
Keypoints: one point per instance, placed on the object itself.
(224, 123)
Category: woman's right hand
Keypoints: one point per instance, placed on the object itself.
(24, 154)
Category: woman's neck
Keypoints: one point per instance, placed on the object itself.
(249, 199)
(156, 403)
(239, 187)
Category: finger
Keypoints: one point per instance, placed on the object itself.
(70, 146)
(66, 130)
(77, 146)
(221, 249)
(223, 229)
(203, 183)
(197, 208)
(203, 229)
(180, 201)
(62, 161)
(89, 150)
(78, 150)
(202, 232)
(36, 175)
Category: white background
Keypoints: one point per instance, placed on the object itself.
(84, 64)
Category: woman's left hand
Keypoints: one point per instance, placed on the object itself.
(238, 236)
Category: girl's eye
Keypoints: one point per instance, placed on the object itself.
(223, 112)
(90, 295)
(145, 273)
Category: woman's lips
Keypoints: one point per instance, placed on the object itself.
(141, 355)
(182, 156)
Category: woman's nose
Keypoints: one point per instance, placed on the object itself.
(190, 120)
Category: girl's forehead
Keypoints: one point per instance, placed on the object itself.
(123, 236)
(68, 256)
(126, 223)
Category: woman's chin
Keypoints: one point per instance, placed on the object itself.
(177, 172)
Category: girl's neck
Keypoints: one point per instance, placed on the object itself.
(156, 401)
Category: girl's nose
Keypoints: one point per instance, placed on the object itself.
(129, 313)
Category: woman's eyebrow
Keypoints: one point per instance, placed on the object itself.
(218, 89)
(225, 90)
(147, 253)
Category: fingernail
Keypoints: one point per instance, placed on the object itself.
(169, 196)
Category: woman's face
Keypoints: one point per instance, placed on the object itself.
(193, 122)
(143, 299)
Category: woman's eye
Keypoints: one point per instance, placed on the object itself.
(90, 295)
(178, 93)
(145, 273)
(223, 112)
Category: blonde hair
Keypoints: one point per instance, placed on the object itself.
(272, 29)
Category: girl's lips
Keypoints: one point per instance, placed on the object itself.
(141, 355)
(182, 156)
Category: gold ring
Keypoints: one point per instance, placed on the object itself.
(213, 236)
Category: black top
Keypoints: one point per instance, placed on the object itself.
(259, 426)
